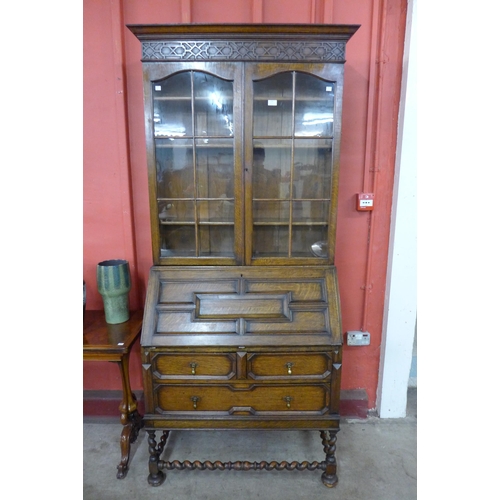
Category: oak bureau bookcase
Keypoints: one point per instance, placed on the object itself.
(242, 325)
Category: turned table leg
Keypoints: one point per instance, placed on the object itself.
(329, 477)
(130, 418)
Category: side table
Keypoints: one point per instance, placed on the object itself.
(104, 342)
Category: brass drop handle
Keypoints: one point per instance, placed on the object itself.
(193, 368)
(288, 400)
(289, 368)
(195, 400)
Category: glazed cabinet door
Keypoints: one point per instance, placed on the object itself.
(193, 112)
(292, 137)
(243, 160)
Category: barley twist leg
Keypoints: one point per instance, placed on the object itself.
(329, 477)
(156, 476)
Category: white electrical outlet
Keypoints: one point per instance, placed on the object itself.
(358, 338)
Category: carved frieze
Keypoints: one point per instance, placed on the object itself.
(241, 50)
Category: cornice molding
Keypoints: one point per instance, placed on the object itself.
(244, 42)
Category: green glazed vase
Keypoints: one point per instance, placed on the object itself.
(113, 283)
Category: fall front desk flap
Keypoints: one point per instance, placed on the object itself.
(242, 306)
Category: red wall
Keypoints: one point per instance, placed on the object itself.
(116, 208)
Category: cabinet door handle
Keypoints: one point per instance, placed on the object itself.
(193, 368)
(289, 368)
(195, 400)
(288, 400)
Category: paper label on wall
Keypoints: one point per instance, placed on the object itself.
(157, 87)
(272, 102)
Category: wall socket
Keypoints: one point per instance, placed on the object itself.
(358, 338)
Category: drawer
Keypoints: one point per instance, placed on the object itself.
(253, 399)
(263, 366)
(219, 366)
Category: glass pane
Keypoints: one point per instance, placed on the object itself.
(175, 211)
(213, 105)
(310, 211)
(216, 241)
(309, 241)
(271, 211)
(312, 168)
(271, 168)
(272, 106)
(270, 241)
(177, 241)
(313, 106)
(215, 168)
(172, 106)
(216, 211)
(174, 168)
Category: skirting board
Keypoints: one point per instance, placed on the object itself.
(105, 404)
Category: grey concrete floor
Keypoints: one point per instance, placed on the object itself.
(377, 460)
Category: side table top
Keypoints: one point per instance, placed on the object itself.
(101, 338)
